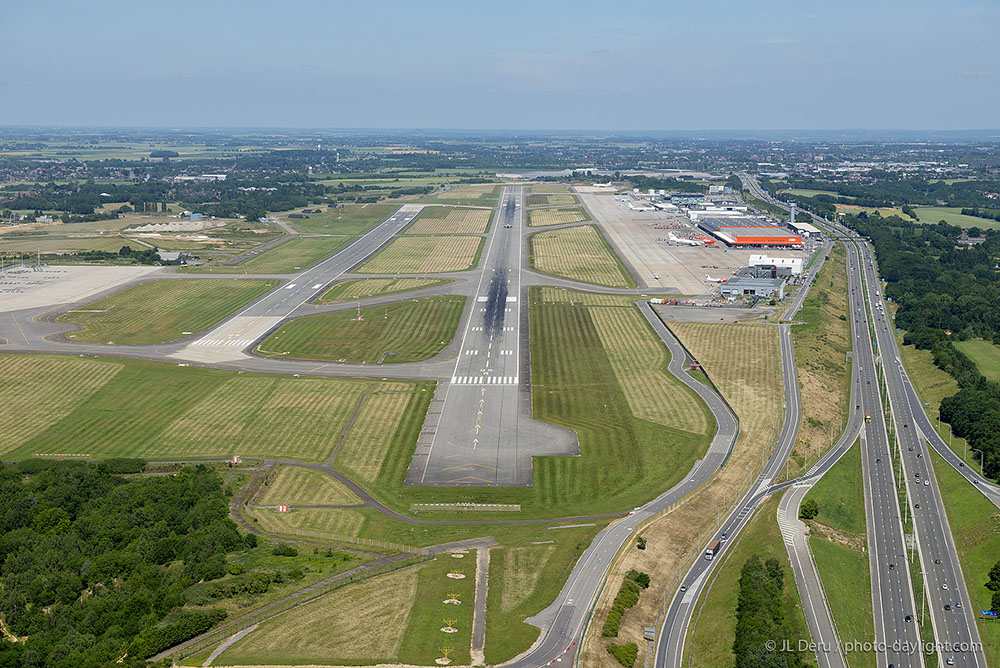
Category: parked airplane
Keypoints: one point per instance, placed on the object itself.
(715, 280)
(682, 240)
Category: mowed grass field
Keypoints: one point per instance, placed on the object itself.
(301, 486)
(129, 408)
(425, 255)
(543, 217)
(395, 617)
(552, 200)
(466, 195)
(287, 258)
(975, 526)
(985, 354)
(953, 216)
(407, 331)
(163, 310)
(578, 253)
(585, 380)
(549, 188)
(345, 219)
(363, 288)
(450, 220)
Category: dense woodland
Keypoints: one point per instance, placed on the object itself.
(95, 566)
(760, 618)
(946, 293)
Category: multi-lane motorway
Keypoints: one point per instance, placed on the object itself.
(896, 612)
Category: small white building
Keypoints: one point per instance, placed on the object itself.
(779, 266)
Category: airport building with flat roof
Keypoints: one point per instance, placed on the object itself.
(747, 231)
(742, 286)
(764, 266)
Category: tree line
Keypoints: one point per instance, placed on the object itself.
(946, 293)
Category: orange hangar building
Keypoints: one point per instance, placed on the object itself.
(749, 232)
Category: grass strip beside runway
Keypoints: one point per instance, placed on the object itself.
(160, 311)
(408, 331)
(580, 254)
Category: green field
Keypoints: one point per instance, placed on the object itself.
(543, 217)
(984, 354)
(287, 258)
(128, 408)
(301, 486)
(975, 526)
(363, 288)
(714, 623)
(844, 573)
(164, 310)
(578, 253)
(552, 200)
(425, 255)
(465, 195)
(840, 495)
(346, 219)
(953, 216)
(408, 331)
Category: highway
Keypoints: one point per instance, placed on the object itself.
(672, 635)
(955, 631)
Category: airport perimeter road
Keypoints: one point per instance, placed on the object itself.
(671, 636)
(227, 340)
(482, 437)
(563, 621)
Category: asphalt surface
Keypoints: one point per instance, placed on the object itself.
(955, 632)
(482, 437)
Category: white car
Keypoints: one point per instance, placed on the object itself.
(944, 586)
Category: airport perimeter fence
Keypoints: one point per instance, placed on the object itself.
(216, 636)
(326, 538)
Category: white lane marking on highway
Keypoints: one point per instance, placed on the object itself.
(317, 286)
(290, 286)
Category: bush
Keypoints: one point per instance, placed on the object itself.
(152, 639)
(640, 579)
(236, 568)
(250, 540)
(284, 550)
(640, 543)
(626, 654)
(628, 595)
(809, 509)
(121, 465)
(296, 574)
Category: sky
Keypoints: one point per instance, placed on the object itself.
(629, 66)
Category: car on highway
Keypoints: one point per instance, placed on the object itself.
(958, 604)
(892, 566)
(683, 588)
(916, 505)
(944, 586)
(937, 561)
(947, 606)
(950, 661)
(927, 482)
(508, 226)
(908, 619)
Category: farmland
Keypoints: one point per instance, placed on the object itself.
(551, 200)
(578, 253)
(952, 216)
(128, 408)
(450, 220)
(425, 255)
(287, 258)
(163, 310)
(300, 486)
(407, 331)
(349, 219)
(543, 217)
(986, 355)
(363, 288)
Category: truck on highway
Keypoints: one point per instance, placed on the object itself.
(712, 550)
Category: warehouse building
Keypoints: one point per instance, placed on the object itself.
(746, 231)
(805, 229)
(764, 266)
(742, 287)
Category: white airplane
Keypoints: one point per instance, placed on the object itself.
(633, 207)
(682, 240)
(714, 280)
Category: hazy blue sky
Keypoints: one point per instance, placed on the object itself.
(518, 65)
